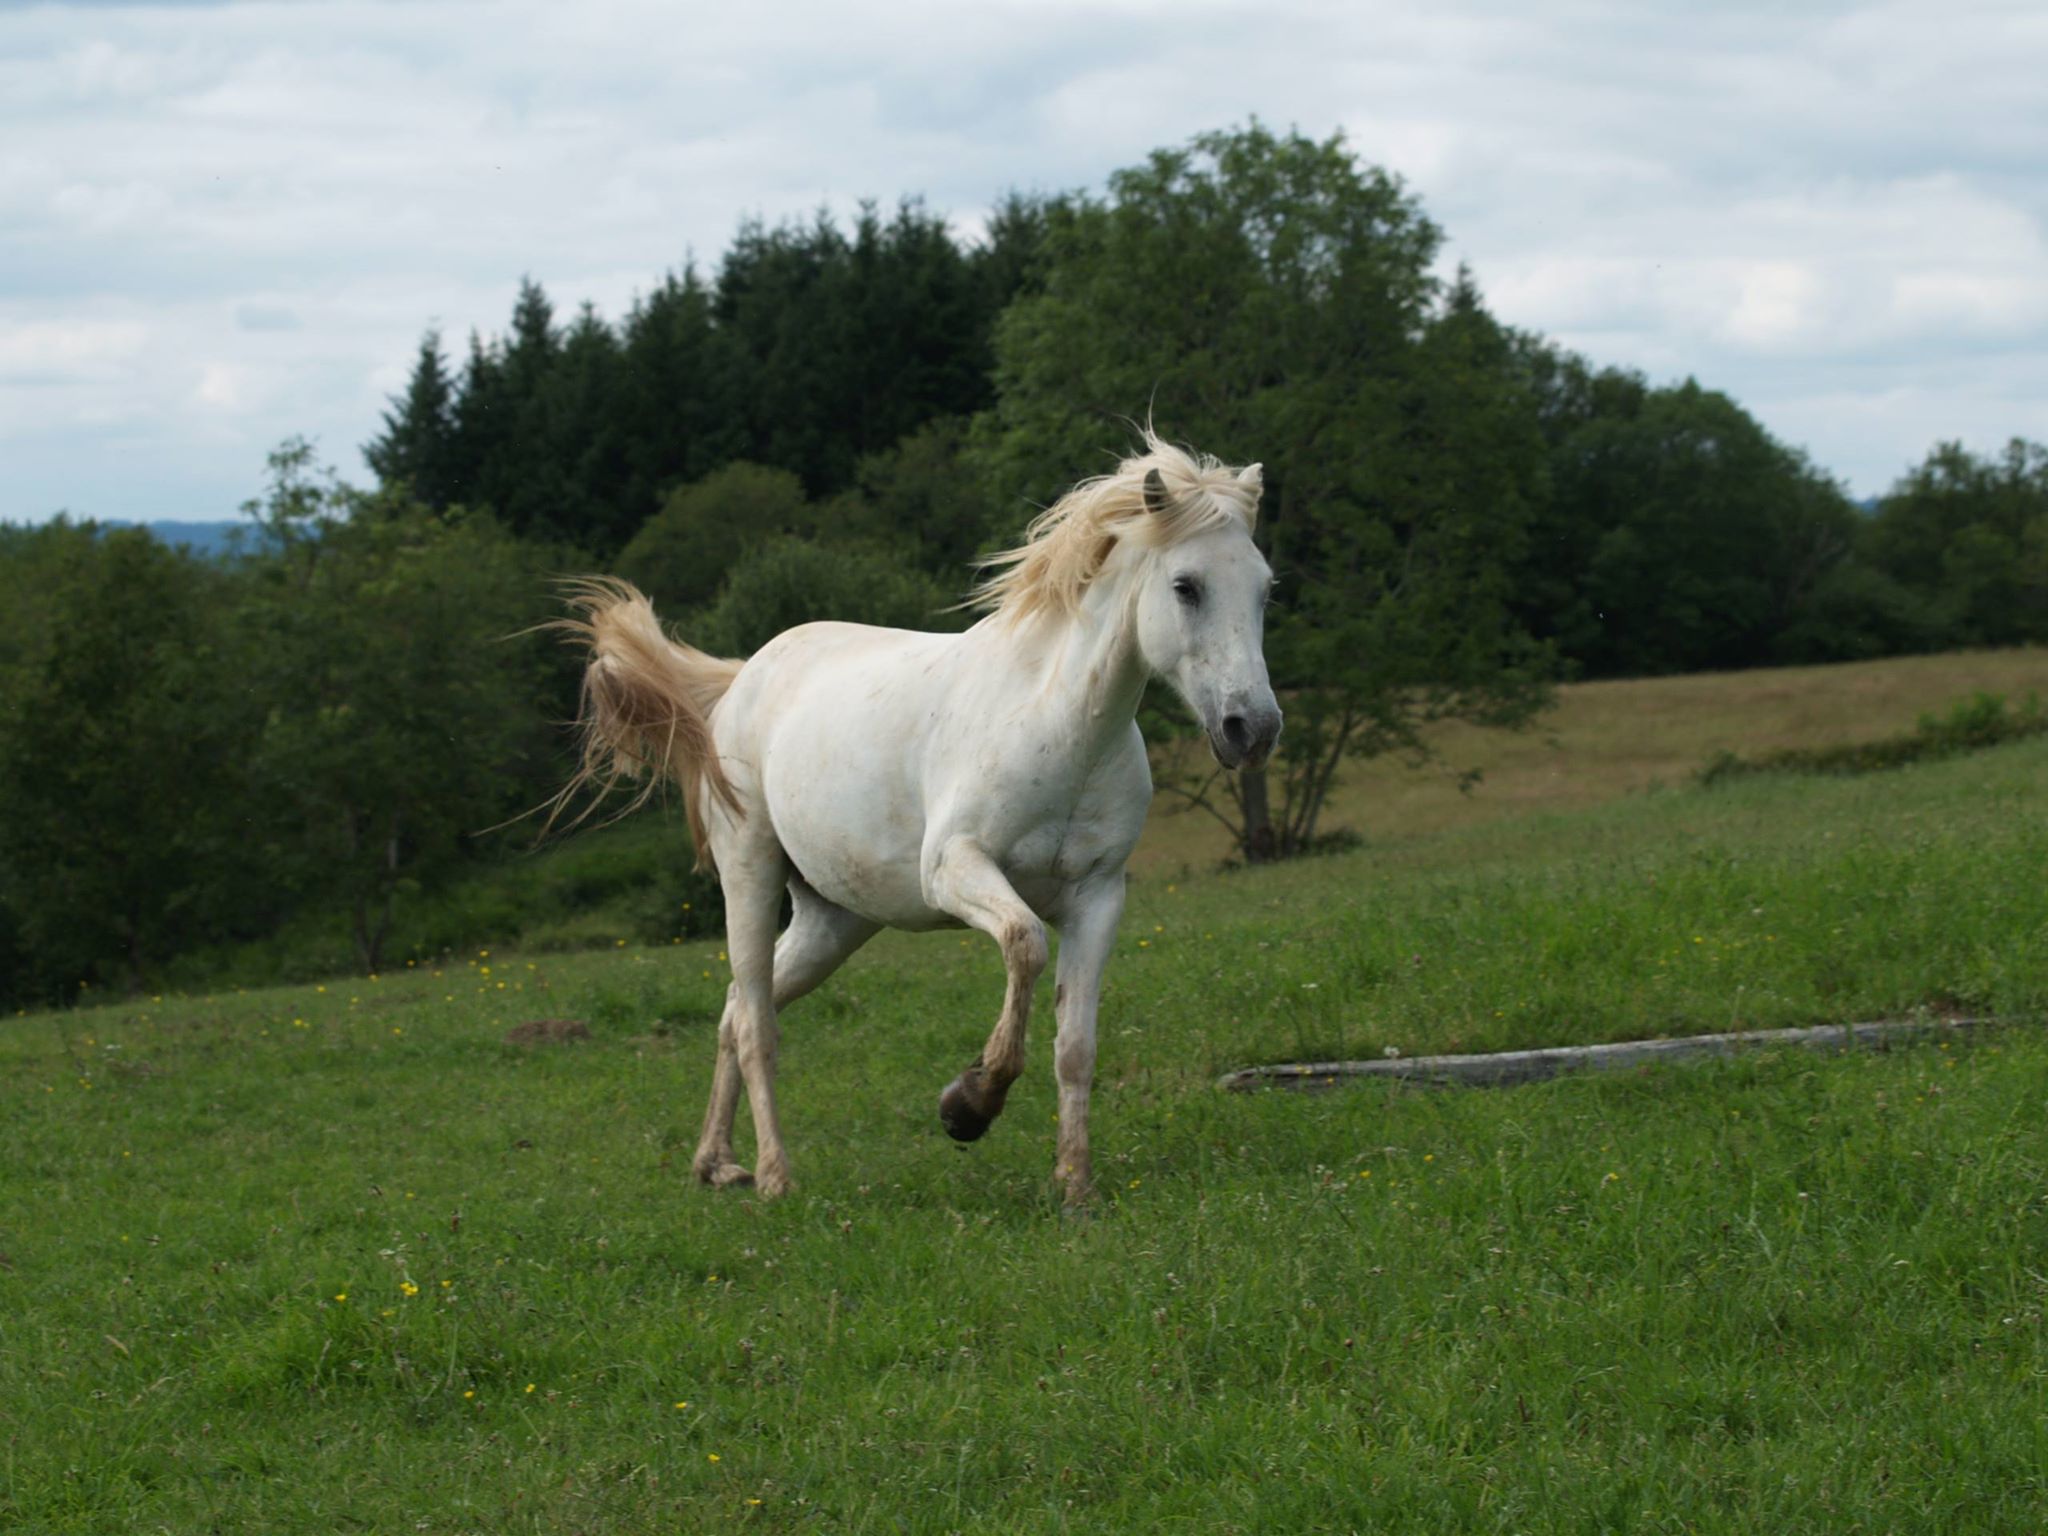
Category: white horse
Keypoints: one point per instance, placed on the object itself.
(996, 778)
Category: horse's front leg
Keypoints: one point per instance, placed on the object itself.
(1087, 933)
(962, 880)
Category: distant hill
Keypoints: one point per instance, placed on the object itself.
(205, 539)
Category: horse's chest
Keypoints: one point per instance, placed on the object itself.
(1062, 851)
(1067, 836)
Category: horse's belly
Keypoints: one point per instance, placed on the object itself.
(830, 713)
(883, 891)
(858, 846)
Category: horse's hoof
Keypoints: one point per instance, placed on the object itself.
(960, 1115)
(728, 1176)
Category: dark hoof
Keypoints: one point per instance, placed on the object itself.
(961, 1111)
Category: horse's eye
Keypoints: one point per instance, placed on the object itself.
(1187, 590)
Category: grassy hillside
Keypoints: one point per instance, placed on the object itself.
(1606, 740)
(334, 1257)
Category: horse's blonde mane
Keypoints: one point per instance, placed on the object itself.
(1067, 543)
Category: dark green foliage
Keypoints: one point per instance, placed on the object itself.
(849, 343)
(1641, 529)
(926, 497)
(1857, 612)
(1969, 537)
(834, 423)
(742, 555)
(127, 830)
(678, 406)
(195, 755)
(1973, 724)
(587, 457)
(635, 879)
(417, 450)
(682, 555)
(400, 707)
(813, 349)
(535, 430)
(1956, 556)
(1676, 534)
(784, 582)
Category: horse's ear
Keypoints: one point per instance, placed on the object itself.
(1157, 501)
(1252, 478)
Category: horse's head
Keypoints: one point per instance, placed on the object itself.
(1201, 621)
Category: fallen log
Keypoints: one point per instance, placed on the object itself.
(1504, 1069)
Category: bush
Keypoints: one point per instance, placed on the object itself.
(683, 553)
(791, 581)
(1971, 725)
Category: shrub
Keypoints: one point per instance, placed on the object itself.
(791, 581)
(1972, 724)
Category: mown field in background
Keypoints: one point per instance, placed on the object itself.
(1609, 739)
(334, 1257)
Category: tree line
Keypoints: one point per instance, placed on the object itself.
(834, 423)
(195, 753)
(1267, 296)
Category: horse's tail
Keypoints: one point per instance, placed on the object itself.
(646, 707)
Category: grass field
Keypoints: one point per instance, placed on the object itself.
(333, 1257)
(1609, 739)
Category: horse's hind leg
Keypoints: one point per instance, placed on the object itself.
(965, 882)
(714, 1163)
(819, 938)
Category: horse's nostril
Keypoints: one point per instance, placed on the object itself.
(1236, 732)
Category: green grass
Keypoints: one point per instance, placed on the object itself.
(1790, 1292)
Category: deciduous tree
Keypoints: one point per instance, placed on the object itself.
(400, 705)
(126, 829)
(1270, 297)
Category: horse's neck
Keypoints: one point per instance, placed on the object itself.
(1088, 667)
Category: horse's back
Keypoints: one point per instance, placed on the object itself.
(830, 676)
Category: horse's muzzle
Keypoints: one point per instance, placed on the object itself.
(1244, 739)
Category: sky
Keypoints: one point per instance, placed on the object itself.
(225, 224)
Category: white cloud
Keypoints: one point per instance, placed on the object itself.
(71, 350)
(1777, 305)
(227, 387)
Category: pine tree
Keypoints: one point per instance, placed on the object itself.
(503, 419)
(678, 405)
(417, 448)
